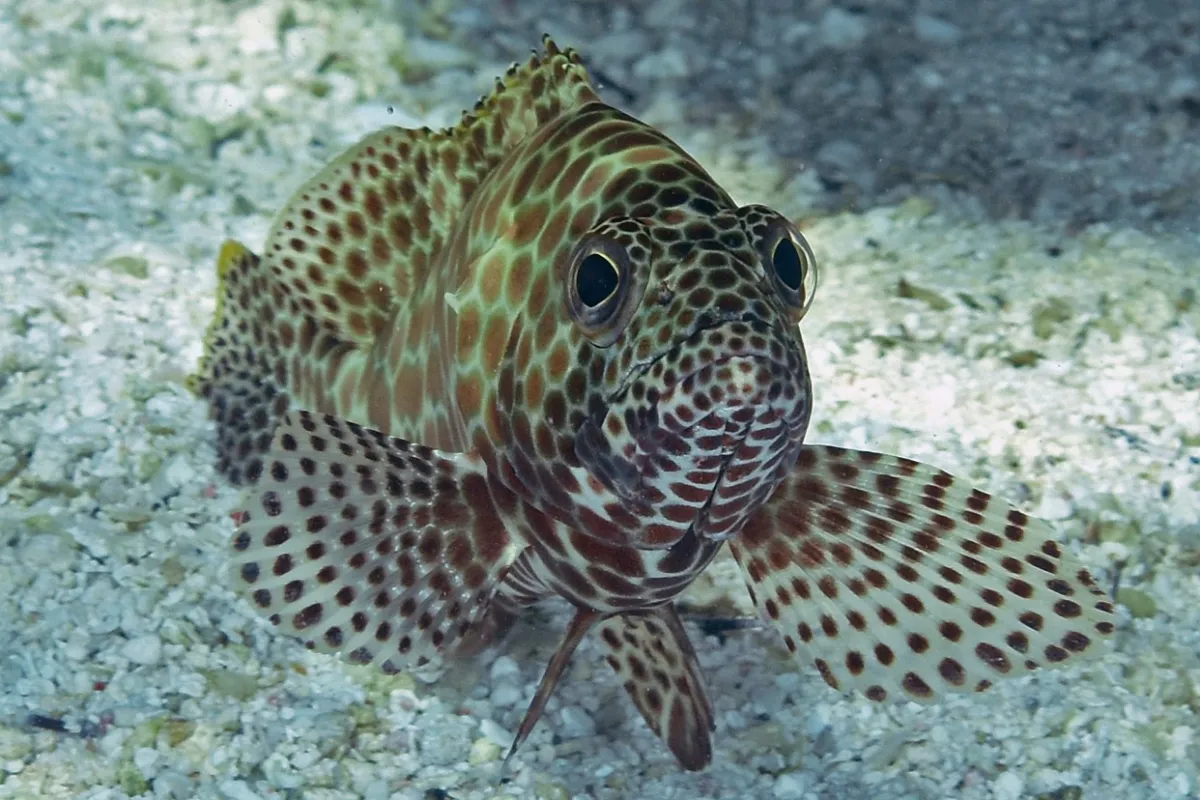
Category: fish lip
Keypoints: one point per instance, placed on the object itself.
(706, 321)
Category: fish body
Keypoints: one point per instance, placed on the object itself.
(543, 354)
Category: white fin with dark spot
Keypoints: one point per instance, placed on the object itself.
(898, 580)
(369, 545)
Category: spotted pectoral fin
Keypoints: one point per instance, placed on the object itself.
(651, 654)
(369, 545)
(896, 579)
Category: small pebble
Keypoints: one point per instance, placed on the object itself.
(494, 732)
(446, 743)
(258, 26)
(505, 668)
(842, 30)
(576, 723)
(1008, 786)
(237, 790)
(173, 784)
(790, 786)
(378, 790)
(505, 695)
(14, 744)
(144, 650)
(146, 760)
(932, 30)
(483, 751)
(1054, 507)
(661, 65)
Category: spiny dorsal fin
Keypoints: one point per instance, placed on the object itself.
(529, 95)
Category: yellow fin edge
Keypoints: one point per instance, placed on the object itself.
(232, 252)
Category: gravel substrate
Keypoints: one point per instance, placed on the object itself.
(1060, 367)
(1063, 112)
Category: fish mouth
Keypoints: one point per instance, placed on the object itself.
(734, 425)
(706, 321)
(664, 430)
(701, 526)
(705, 423)
(704, 450)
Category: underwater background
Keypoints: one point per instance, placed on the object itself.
(1003, 196)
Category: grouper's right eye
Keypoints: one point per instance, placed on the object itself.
(602, 287)
(596, 280)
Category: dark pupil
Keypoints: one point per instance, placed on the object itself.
(786, 261)
(596, 280)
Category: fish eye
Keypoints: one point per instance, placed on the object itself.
(601, 286)
(604, 278)
(785, 258)
(794, 267)
(596, 280)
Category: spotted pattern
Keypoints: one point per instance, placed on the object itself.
(365, 544)
(651, 655)
(893, 578)
(244, 390)
(543, 354)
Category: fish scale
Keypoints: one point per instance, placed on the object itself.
(543, 354)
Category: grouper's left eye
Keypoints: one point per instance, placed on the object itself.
(790, 260)
(785, 258)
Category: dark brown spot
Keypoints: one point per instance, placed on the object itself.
(1067, 608)
(1020, 588)
(1018, 641)
(993, 656)
(1041, 562)
(951, 630)
(1076, 642)
(952, 672)
(827, 673)
(1059, 586)
(982, 617)
(915, 686)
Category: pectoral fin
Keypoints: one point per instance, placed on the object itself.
(364, 544)
(896, 579)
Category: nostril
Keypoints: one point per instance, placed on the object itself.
(706, 319)
(665, 294)
(755, 322)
